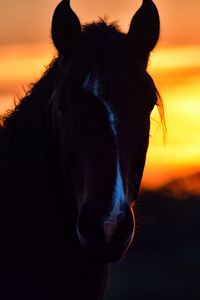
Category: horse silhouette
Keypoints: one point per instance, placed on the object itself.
(72, 154)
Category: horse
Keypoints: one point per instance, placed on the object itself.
(72, 155)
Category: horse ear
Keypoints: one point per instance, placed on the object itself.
(66, 28)
(144, 30)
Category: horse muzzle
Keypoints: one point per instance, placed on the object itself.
(106, 239)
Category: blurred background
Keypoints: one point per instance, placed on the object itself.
(164, 261)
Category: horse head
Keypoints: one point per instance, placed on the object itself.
(101, 106)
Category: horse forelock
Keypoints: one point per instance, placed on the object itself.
(103, 30)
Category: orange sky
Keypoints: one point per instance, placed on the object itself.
(25, 49)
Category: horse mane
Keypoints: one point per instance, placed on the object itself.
(161, 110)
(38, 93)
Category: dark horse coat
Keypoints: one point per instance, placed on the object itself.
(72, 155)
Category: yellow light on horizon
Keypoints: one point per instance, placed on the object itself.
(181, 93)
(179, 57)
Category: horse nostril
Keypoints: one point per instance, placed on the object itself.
(89, 225)
(107, 238)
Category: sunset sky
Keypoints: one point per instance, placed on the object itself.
(25, 49)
